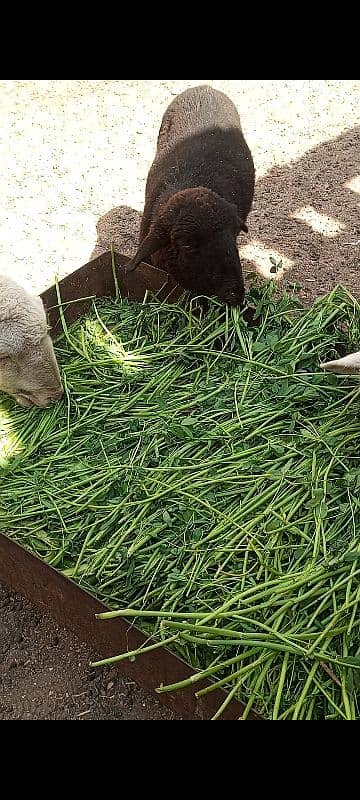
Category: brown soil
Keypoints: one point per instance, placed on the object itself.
(45, 673)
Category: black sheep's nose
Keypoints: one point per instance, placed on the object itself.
(234, 298)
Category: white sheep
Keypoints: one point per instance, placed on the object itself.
(344, 366)
(28, 366)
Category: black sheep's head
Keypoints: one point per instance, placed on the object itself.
(194, 238)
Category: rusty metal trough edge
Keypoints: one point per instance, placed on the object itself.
(68, 603)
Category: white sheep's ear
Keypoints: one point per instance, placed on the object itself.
(154, 241)
(344, 366)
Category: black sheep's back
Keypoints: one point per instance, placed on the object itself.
(215, 159)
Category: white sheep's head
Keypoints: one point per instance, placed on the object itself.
(344, 366)
(28, 366)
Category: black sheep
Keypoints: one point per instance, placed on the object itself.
(199, 192)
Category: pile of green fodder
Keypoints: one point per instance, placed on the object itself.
(202, 477)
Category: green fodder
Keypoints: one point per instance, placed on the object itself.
(203, 478)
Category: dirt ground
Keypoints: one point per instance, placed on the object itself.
(75, 156)
(45, 674)
(71, 151)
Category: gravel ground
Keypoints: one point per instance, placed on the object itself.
(74, 157)
(73, 150)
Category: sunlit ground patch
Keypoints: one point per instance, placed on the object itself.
(264, 259)
(320, 223)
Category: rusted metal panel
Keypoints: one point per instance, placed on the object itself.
(95, 279)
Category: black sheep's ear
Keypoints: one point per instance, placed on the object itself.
(154, 241)
(244, 227)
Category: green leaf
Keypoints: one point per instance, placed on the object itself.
(307, 434)
(259, 346)
(351, 661)
(272, 339)
(188, 432)
(323, 511)
(274, 525)
(316, 499)
(188, 421)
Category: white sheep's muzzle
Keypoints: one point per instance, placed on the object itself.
(348, 365)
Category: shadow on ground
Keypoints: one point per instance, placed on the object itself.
(306, 214)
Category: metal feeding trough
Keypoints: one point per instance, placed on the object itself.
(71, 606)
